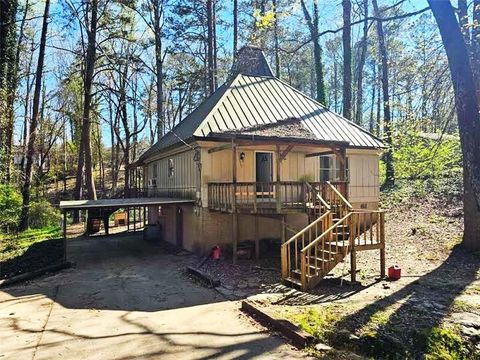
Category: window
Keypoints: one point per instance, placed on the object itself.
(170, 168)
(330, 168)
(155, 171)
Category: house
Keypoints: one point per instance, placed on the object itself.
(259, 159)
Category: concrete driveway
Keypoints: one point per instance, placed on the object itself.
(126, 299)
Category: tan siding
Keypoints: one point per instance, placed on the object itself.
(184, 171)
(364, 178)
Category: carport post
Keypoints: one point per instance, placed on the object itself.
(64, 235)
(128, 219)
(134, 219)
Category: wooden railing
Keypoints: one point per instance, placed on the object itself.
(290, 250)
(334, 194)
(178, 193)
(269, 196)
(357, 230)
(256, 196)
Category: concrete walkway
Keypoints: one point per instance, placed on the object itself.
(126, 299)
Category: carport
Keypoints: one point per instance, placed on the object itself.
(103, 208)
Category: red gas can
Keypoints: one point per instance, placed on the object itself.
(216, 253)
(394, 272)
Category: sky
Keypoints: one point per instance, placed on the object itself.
(57, 60)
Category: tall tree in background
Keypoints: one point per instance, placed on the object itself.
(235, 27)
(387, 126)
(467, 106)
(275, 39)
(35, 117)
(158, 9)
(361, 65)
(85, 154)
(211, 46)
(347, 59)
(8, 81)
(313, 26)
(475, 45)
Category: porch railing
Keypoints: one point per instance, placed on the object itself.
(262, 196)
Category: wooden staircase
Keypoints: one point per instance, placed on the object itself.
(335, 230)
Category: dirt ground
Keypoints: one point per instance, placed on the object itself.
(439, 289)
(126, 299)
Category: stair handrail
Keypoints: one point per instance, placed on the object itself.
(339, 194)
(325, 233)
(305, 229)
(319, 197)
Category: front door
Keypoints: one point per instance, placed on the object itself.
(264, 173)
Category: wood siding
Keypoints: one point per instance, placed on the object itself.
(185, 173)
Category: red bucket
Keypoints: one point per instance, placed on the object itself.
(394, 272)
(216, 253)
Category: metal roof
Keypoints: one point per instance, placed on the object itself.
(247, 102)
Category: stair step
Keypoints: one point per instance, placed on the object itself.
(292, 281)
(298, 273)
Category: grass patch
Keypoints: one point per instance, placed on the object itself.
(464, 306)
(13, 245)
(376, 321)
(319, 322)
(445, 343)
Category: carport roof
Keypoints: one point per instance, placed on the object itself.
(119, 203)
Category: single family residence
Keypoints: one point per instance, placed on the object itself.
(260, 160)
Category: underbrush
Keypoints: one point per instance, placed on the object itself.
(447, 189)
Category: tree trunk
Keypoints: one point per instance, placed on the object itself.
(475, 46)
(275, 39)
(371, 123)
(388, 156)
(361, 65)
(317, 50)
(157, 14)
(235, 27)
(87, 102)
(347, 59)
(33, 126)
(467, 114)
(210, 48)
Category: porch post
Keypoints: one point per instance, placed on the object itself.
(234, 202)
(343, 165)
(257, 240)
(277, 187)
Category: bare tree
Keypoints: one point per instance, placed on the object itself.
(211, 45)
(387, 126)
(33, 125)
(361, 65)
(313, 26)
(347, 59)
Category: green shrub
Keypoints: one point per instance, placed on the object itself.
(10, 207)
(43, 214)
(419, 155)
